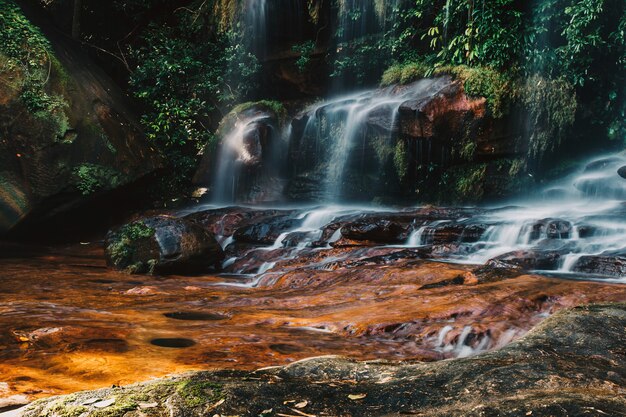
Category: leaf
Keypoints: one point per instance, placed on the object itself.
(355, 397)
(302, 404)
(90, 401)
(105, 403)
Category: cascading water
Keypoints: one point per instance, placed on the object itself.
(240, 148)
(579, 220)
(255, 19)
(340, 128)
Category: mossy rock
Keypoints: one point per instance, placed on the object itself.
(162, 244)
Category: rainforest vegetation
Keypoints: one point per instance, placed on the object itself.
(188, 63)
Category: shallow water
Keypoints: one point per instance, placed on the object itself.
(67, 323)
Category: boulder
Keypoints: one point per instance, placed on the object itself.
(622, 171)
(56, 158)
(377, 230)
(162, 245)
(605, 265)
(551, 229)
(528, 260)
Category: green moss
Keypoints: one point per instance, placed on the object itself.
(498, 88)
(198, 393)
(91, 178)
(401, 160)
(121, 406)
(62, 408)
(551, 107)
(275, 107)
(37, 76)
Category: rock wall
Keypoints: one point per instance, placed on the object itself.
(53, 162)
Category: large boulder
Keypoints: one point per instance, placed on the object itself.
(67, 135)
(162, 244)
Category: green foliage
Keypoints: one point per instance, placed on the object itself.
(91, 178)
(28, 61)
(551, 105)
(120, 247)
(305, 50)
(184, 80)
(469, 185)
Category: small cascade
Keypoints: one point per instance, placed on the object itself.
(240, 148)
(583, 219)
(415, 239)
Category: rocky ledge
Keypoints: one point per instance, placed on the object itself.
(572, 364)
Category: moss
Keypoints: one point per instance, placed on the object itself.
(551, 107)
(497, 87)
(469, 185)
(275, 107)
(121, 406)
(63, 408)
(37, 76)
(401, 160)
(198, 393)
(91, 178)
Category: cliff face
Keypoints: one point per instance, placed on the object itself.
(67, 135)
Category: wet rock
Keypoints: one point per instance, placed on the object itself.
(425, 117)
(453, 233)
(622, 171)
(551, 229)
(607, 265)
(267, 231)
(528, 260)
(601, 164)
(162, 245)
(84, 154)
(376, 230)
(247, 142)
(548, 372)
(224, 221)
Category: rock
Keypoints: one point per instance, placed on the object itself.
(601, 164)
(453, 233)
(56, 162)
(528, 260)
(551, 229)
(607, 265)
(267, 231)
(224, 221)
(162, 245)
(449, 106)
(622, 171)
(377, 230)
(548, 372)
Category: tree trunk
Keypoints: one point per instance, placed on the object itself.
(78, 5)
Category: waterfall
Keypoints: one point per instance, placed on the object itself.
(341, 126)
(239, 148)
(255, 20)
